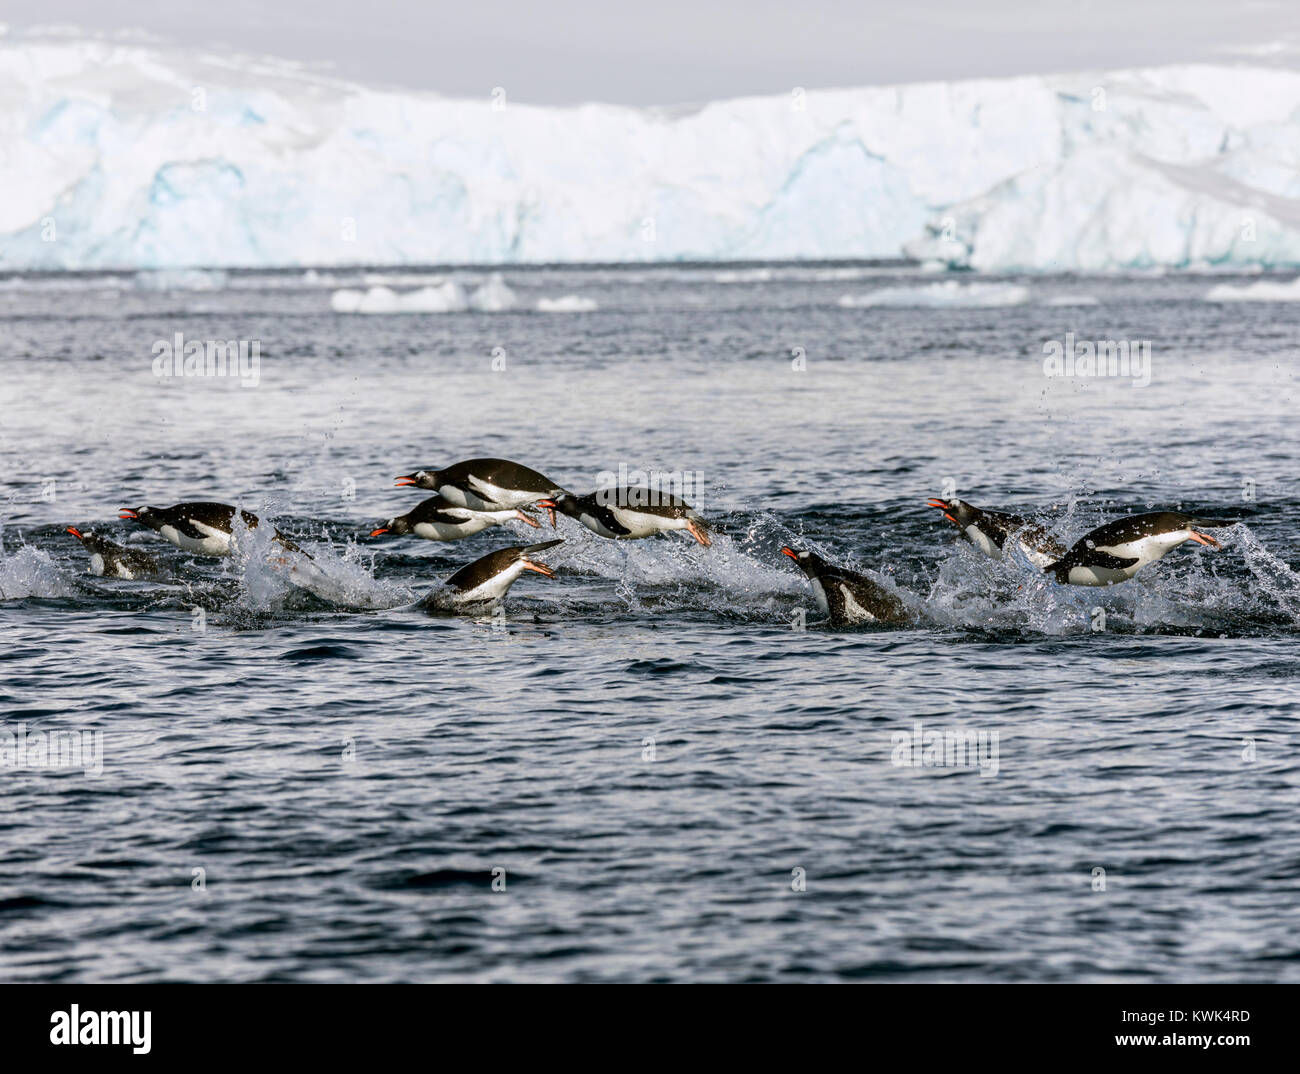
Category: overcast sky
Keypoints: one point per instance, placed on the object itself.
(674, 51)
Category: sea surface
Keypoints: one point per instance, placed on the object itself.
(659, 765)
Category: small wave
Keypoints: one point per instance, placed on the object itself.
(948, 294)
(1071, 300)
(190, 279)
(493, 296)
(747, 275)
(803, 273)
(66, 282)
(1261, 291)
(567, 304)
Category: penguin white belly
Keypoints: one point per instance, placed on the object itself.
(1145, 550)
(121, 570)
(1098, 575)
(983, 542)
(853, 611)
(494, 589)
(441, 531)
(97, 565)
(1148, 549)
(642, 524)
(213, 543)
(819, 595)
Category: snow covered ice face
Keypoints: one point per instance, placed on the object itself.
(1133, 167)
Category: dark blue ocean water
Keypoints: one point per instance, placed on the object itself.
(668, 780)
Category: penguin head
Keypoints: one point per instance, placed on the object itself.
(808, 562)
(421, 479)
(146, 516)
(958, 512)
(563, 503)
(398, 526)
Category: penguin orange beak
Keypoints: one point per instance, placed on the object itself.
(75, 532)
(540, 568)
(529, 519)
(943, 507)
(126, 512)
(550, 510)
(696, 529)
(409, 479)
(791, 553)
(1204, 538)
(376, 533)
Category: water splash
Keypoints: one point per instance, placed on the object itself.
(30, 572)
(273, 577)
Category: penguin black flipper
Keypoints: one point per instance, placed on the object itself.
(1091, 557)
(1094, 557)
(608, 520)
(529, 549)
(187, 528)
(1098, 558)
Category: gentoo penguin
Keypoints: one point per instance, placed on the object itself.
(846, 596)
(989, 530)
(1118, 550)
(485, 484)
(629, 513)
(205, 528)
(485, 582)
(110, 560)
(437, 519)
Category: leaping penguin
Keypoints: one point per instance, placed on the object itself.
(201, 527)
(1113, 553)
(111, 560)
(437, 519)
(485, 582)
(846, 596)
(629, 513)
(988, 531)
(485, 484)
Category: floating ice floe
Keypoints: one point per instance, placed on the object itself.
(493, 296)
(1262, 291)
(567, 304)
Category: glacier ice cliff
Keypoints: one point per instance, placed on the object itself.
(124, 156)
